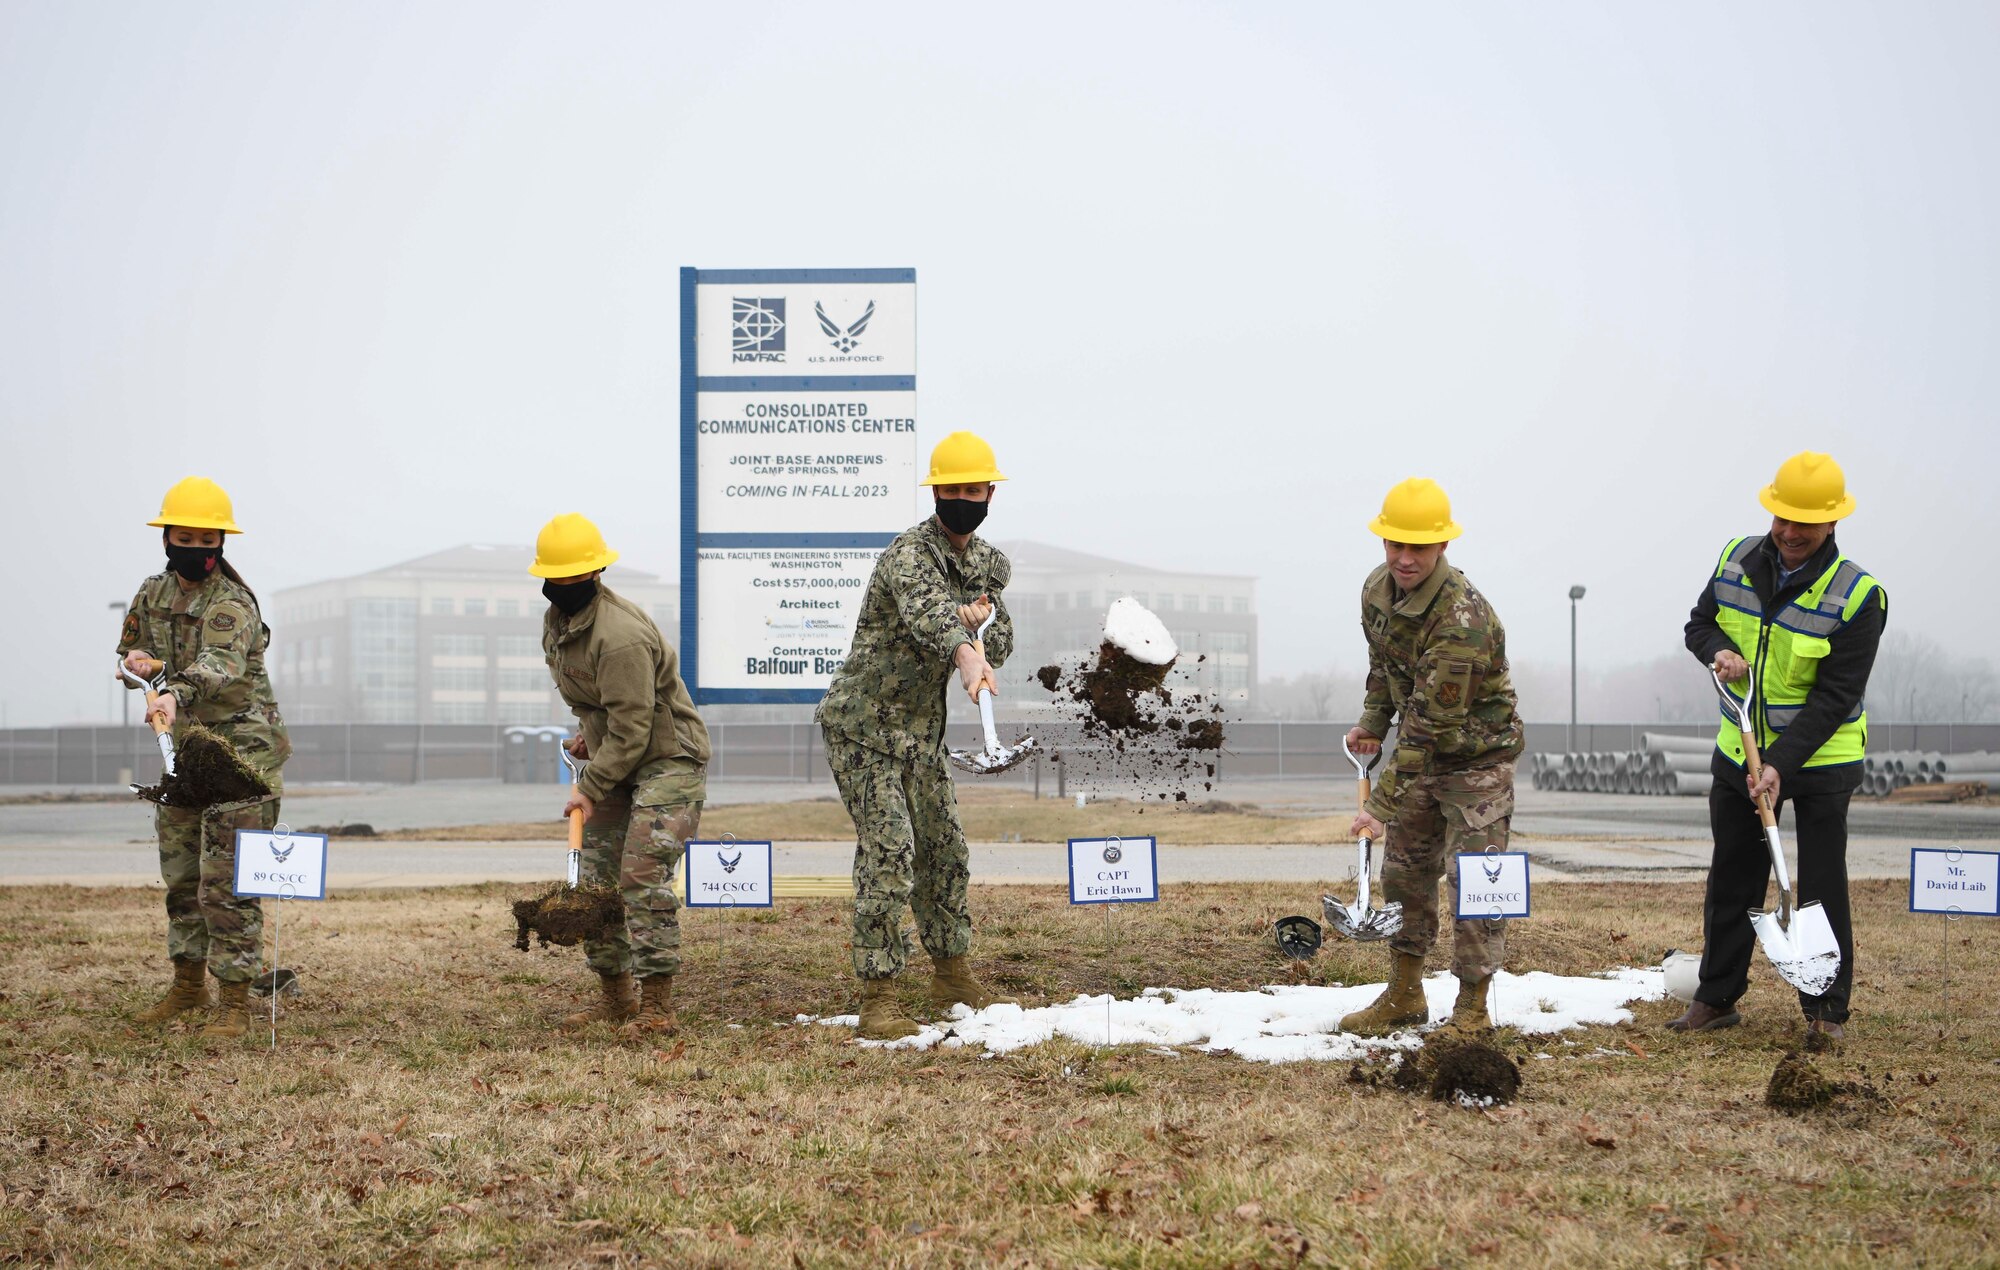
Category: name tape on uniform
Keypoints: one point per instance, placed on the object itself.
(1492, 884)
(283, 866)
(1947, 880)
(1114, 870)
(729, 874)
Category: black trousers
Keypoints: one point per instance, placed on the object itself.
(1740, 873)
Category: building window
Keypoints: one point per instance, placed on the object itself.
(1191, 603)
(458, 645)
(1139, 597)
(383, 639)
(1166, 604)
(1239, 604)
(520, 680)
(475, 608)
(508, 608)
(441, 606)
(520, 646)
(1215, 604)
(458, 679)
(524, 712)
(1083, 599)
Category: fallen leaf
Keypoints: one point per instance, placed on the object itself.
(399, 1126)
(1637, 1048)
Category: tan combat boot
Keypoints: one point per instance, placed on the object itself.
(952, 984)
(190, 992)
(1401, 1004)
(1469, 1019)
(656, 1008)
(882, 1017)
(232, 1012)
(614, 1005)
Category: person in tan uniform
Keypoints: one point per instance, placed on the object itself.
(645, 777)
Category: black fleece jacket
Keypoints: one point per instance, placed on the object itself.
(1843, 672)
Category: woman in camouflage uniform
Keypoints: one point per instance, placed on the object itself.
(201, 620)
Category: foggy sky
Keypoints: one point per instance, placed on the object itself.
(1210, 278)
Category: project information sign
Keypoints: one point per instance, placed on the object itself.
(798, 465)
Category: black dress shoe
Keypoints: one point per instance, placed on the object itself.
(1701, 1017)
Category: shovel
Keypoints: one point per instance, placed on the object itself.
(1798, 939)
(995, 757)
(575, 816)
(1360, 921)
(154, 682)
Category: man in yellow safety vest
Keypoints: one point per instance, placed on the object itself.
(1789, 609)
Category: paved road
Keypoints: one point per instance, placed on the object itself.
(1568, 835)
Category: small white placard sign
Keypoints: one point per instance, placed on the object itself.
(1492, 884)
(1114, 870)
(1947, 880)
(281, 864)
(729, 874)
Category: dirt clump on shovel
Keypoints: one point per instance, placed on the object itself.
(208, 772)
(1451, 1068)
(566, 915)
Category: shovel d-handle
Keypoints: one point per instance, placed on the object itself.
(1753, 764)
(147, 674)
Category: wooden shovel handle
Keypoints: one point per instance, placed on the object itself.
(154, 715)
(1363, 783)
(149, 667)
(1753, 762)
(576, 829)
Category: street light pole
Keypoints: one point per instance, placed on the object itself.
(1575, 594)
(125, 711)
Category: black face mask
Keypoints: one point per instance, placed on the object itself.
(570, 599)
(193, 563)
(960, 515)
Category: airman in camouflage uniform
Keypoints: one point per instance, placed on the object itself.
(884, 722)
(211, 637)
(1437, 660)
(642, 789)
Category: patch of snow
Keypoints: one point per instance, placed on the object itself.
(1133, 628)
(1283, 1023)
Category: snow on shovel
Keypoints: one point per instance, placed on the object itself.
(1798, 939)
(995, 757)
(1358, 920)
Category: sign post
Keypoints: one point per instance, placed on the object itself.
(726, 873)
(798, 465)
(1111, 871)
(280, 865)
(1953, 883)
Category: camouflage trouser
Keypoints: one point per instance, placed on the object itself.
(1439, 817)
(910, 852)
(205, 920)
(633, 841)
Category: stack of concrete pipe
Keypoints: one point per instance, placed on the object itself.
(1680, 765)
(1667, 765)
(1893, 769)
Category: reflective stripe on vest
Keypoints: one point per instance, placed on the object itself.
(1784, 652)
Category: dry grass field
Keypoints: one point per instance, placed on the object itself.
(421, 1109)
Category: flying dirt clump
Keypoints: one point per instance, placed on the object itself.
(567, 915)
(208, 772)
(1132, 724)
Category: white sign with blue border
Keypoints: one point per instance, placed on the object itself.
(1492, 884)
(729, 874)
(1114, 870)
(798, 465)
(280, 864)
(1954, 882)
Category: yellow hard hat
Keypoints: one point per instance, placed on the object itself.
(962, 459)
(195, 502)
(568, 547)
(1416, 511)
(1810, 488)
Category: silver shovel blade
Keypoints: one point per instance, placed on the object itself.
(1806, 956)
(987, 762)
(1365, 925)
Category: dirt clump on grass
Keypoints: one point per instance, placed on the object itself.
(1798, 1085)
(208, 772)
(566, 915)
(1452, 1068)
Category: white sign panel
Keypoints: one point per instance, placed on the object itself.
(798, 465)
(1954, 881)
(1114, 870)
(729, 874)
(280, 864)
(1492, 884)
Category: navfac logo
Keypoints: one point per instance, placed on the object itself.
(757, 330)
(844, 338)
